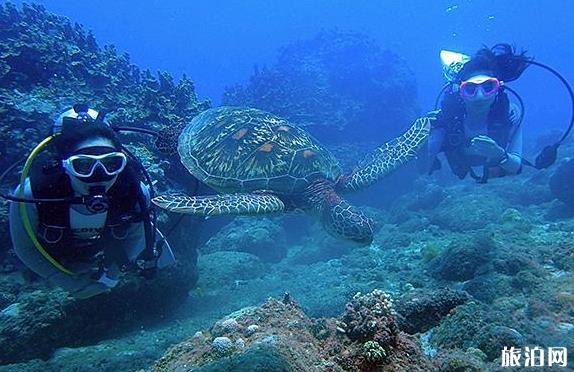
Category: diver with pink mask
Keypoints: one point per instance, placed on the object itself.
(477, 126)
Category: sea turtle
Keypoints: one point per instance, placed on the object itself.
(261, 163)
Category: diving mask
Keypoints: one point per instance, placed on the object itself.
(84, 165)
(487, 84)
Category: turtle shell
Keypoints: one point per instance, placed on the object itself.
(236, 149)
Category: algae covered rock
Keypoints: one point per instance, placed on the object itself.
(463, 258)
(493, 338)
(562, 182)
(469, 210)
(418, 311)
(470, 317)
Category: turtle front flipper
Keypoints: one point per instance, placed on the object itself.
(219, 205)
(388, 157)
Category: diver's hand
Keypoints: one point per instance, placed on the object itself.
(487, 147)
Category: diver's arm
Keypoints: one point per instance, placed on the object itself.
(434, 146)
(512, 163)
(133, 241)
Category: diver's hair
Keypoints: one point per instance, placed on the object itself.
(502, 60)
(75, 132)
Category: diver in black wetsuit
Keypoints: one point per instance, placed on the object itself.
(90, 215)
(477, 127)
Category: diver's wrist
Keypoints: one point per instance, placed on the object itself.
(503, 159)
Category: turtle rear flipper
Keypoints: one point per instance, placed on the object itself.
(389, 157)
(218, 205)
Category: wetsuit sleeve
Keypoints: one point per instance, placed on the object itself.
(514, 149)
(134, 242)
(166, 258)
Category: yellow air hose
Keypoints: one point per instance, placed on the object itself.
(24, 212)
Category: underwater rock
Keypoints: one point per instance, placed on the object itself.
(288, 340)
(489, 287)
(427, 196)
(471, 327)
(463, 258)
(468, 210)
(461, 327)
(562, 182)
(338, 85)
(493, 338)
(458, 361)
(262, 237)
(420, 310)
(533, 190)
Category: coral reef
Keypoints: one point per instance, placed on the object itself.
(48, 64)
(469, 211)
(364, 339)
(339, 85)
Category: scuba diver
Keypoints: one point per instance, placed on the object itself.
(477, 126)
(82, 216)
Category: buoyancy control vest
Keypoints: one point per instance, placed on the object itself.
(500, 127)
(125, 199)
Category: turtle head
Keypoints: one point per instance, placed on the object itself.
(345, 221)
(340, 219)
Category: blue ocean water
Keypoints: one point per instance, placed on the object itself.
(218, 43)
(474, 267)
